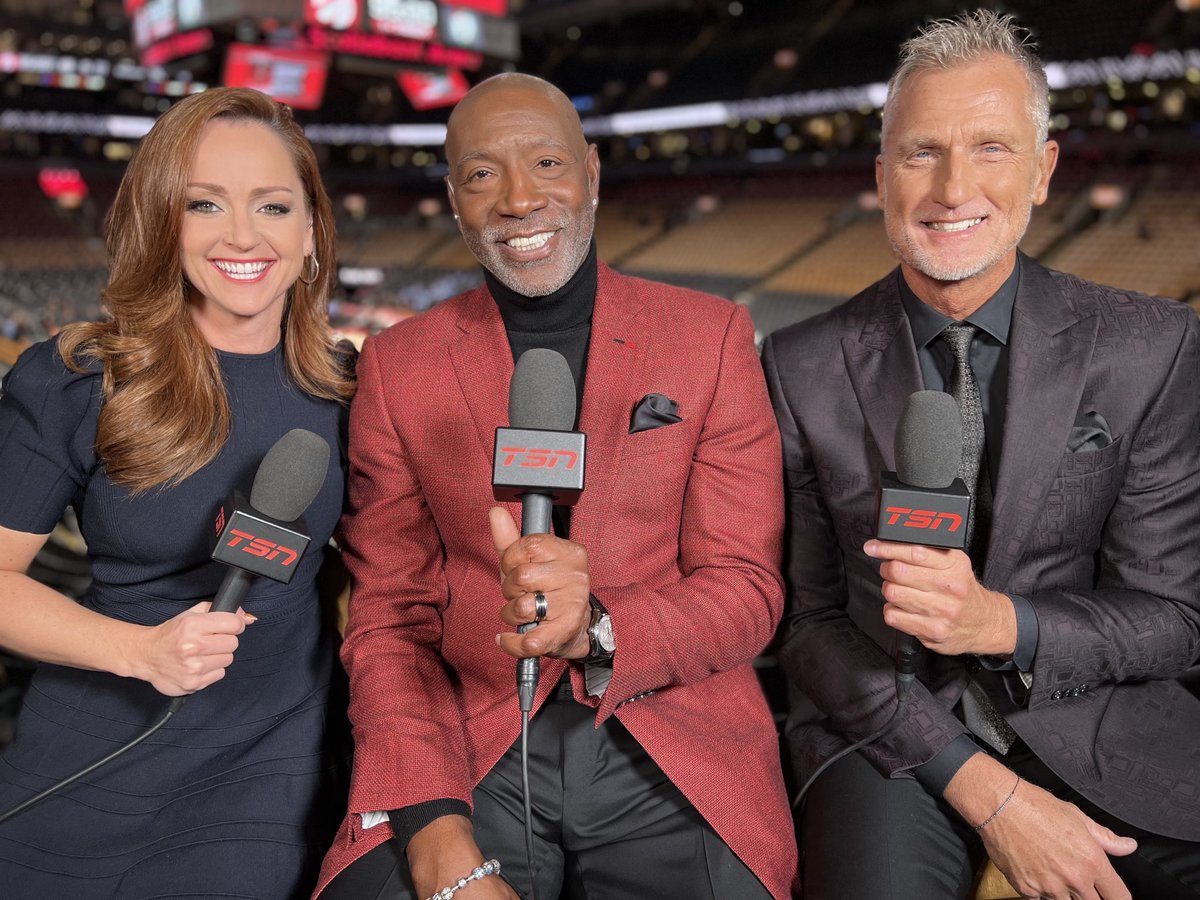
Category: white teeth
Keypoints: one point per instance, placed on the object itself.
(955, 226)
(241, 271)
(530, 243)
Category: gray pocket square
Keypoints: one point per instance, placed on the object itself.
(1090, 432)
(654, 411)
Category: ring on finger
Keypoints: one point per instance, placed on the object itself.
(540, 606)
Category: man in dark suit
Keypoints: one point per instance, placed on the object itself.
(654, 761)
(1047, 726)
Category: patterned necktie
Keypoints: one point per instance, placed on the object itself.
(978, 712)
(965, 390)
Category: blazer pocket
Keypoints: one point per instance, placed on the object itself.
(656, 440)
(1081, 496)
(1090, 462)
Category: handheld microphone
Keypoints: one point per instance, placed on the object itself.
(268, 535)
(538, 460)
(923, 501)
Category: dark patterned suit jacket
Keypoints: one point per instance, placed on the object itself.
(682, 525)
(1105, 543)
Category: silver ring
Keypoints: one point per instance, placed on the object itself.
(540, 606)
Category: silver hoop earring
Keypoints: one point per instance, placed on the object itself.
(316, 269)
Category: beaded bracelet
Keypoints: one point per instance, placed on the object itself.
(999, 808)
(491, 867)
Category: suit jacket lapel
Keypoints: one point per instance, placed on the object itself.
(483, 364)
(616, 355)
(883, 368)
(1050, 349)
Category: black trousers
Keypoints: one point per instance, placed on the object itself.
(608, 824)
(863, 835)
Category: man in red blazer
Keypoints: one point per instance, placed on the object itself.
(665, 781)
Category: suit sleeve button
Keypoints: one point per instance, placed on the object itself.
(1057, 695)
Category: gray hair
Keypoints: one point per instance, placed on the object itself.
(946, 43)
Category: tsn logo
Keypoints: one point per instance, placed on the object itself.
(257, 546)
(923, 518)
(533, 458)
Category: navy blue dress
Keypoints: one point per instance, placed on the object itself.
(239, 795)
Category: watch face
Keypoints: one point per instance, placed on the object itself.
(602, 631)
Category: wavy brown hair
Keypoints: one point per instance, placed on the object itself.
(165, 413)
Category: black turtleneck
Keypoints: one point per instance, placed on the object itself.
(559, 321)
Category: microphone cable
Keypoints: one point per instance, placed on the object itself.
(905, 676)
(173, 707)
(528, 672)
(527, 801)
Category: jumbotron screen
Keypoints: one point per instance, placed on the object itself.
(459, 33)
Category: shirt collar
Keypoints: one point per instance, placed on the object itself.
(994, 317)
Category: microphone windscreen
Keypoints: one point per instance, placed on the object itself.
(542, 395)
(290, 475)
(929, 440)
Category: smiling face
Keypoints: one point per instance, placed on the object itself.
(522, 182)
(246, 231)
(960, 171)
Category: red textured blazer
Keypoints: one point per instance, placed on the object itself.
(682, 525)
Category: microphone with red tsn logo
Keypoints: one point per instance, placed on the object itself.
(923, 501)
(539, 460)
(268, 536)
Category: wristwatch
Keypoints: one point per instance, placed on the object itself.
(600, 633)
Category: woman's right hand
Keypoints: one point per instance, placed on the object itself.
(188, 652)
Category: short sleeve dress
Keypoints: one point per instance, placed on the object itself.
(239, 794)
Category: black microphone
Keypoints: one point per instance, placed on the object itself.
(923, 501)
(538, 460)
(268, 535)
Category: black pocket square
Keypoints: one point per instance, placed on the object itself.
(1090, 432)
(654, 411)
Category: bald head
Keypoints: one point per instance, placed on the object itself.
(522, 181)
(512, 90)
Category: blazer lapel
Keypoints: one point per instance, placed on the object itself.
(1050, 349)
(883, 368)
(483, 364)
(617, 352)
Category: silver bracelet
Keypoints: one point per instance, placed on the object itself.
(491, 867)
(999, 808)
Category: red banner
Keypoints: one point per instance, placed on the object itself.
(294, 77)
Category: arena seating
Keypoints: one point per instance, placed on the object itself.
(787, 244)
